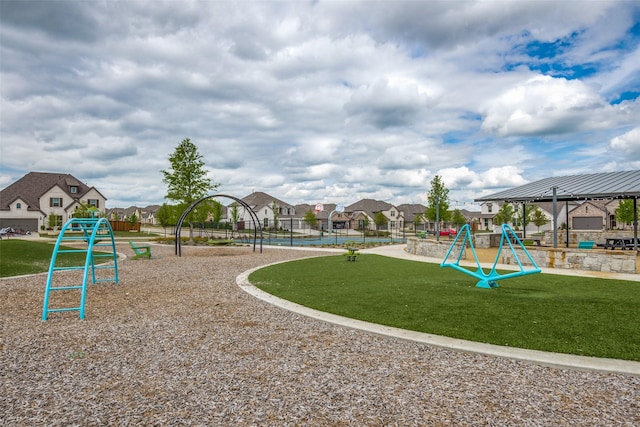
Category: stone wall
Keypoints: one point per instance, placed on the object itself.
(567, 258)
(577, 259)
(427, 247)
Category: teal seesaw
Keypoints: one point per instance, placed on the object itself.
(490, 279)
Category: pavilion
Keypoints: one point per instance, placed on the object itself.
(596, 186)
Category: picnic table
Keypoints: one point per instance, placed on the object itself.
(352, 251)
(620, 242)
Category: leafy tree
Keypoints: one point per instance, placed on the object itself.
(202, 211)
(216, 212)
(624, 212)
(133, 219)
(310, 218)
(438, 201)
(84, 210)
(417, 220)
(55, 220)
(165, 215)
(364, 222)
(235, 216)
(380, 220)
(186, 179)
(504, 215)
(538, 218)
(457, 218)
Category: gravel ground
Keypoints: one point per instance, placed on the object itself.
(177, 342)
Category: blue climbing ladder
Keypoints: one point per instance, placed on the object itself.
(97, 234)
(488, 279)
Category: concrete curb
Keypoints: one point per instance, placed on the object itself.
(556, 360)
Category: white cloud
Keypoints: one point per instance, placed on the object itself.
(546, 105)
(330, 101)
(628, 144)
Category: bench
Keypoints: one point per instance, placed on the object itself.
(142, 251)
(587, 244)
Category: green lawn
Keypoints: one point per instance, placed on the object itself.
(19, 257)
(576, 315)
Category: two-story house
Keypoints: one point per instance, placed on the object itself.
(271, 212)
(40, 199)
(363, 214)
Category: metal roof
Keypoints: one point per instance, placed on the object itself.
(607, 185)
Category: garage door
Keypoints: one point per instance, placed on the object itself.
(27, 224)
(587, 223)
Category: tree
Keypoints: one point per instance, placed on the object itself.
(417, 220)
(164, 216)
(310, 218)
(624, 212)
(84, 210)
(379, 220)
(538, 218)
(216, 212)
(458, 219)
(235, 217)
(438, 201)
(504, 215)
(186, 179)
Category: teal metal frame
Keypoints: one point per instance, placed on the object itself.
(489, 280)
(96, 233)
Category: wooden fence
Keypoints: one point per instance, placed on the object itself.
(124, 226)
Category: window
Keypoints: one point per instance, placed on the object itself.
(74, 189)
(490, 207)
(94, 202)
(393, 213)
(18, 205)
(55, 202)
(266, 222)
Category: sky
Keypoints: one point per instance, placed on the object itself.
(320, 101)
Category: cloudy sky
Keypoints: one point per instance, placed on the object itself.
(320, 101)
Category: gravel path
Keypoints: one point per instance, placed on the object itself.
(178, 343)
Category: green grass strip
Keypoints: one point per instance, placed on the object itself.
(18, 257)
(565, 314)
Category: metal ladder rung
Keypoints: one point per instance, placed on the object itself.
(58, 310)
(71, 251)
(79, 267)
(65, 288)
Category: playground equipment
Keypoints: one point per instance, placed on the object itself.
(247, 209)
(490, 279)
(96, 233)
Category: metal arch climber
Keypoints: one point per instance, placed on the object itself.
(254, 218)
(489, 280)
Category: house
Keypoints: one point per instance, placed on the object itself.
(595, 215)
(271, 212)
(363, 214)
(414, 215)
(39, 200)
(491, 208)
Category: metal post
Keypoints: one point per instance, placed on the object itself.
(566, 210)
(555, 219)
(524, 220)
(437, 219)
